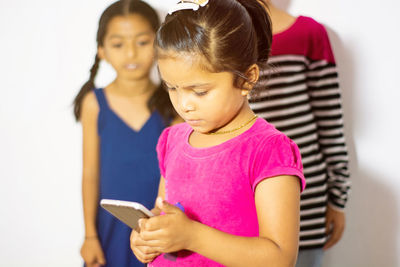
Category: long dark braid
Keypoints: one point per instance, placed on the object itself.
(159, 100)
(86, 88)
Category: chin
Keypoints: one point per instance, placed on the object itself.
(199, 129)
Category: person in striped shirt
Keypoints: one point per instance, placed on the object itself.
(302, 98)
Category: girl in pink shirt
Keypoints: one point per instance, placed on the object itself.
(236, 178)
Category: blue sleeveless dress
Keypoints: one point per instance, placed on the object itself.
(128, 171)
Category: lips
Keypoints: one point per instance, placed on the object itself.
(131, 66)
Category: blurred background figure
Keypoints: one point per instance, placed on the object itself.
(302, 98)
(121, 125)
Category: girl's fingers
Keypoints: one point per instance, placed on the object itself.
(147, 250)
(137, 241)
(143, 253)
(153, 244)
(152, 224)
(151, 237)
(142, 223)
(334, 238)
(101, 259)
(335, 224)
(156, 211)
(144, 257)
(336, 235)
(146, 247)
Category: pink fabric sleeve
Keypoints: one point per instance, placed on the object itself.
(161, 150)
(278, 156)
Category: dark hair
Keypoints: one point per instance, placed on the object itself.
(160, 99)
(231, 35)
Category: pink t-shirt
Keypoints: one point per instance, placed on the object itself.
(216, 184)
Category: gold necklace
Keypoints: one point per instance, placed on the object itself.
(238, 128)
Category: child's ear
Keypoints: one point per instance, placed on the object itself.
(252, 74)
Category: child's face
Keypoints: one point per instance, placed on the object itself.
(205, 100)
(128, 46)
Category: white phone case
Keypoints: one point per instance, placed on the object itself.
(126, 211)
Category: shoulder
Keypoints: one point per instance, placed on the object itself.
(169, 140)
(90, 106)
(89, 102)
(270, 142)
(306, 37)
(262, 131)
(312, 29)
(310, 25)
(318, 43)
(275, 155)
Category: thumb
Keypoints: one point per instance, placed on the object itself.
(166, 207)
(101, 260)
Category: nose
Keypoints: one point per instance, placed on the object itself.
(186, 104)
(131, 50)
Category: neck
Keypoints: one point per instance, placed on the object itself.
(281, 20)
(243, 116)
(232, 129)
(133, 88)
(272, 10)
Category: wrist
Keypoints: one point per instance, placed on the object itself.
(91, 233)
(90, 229)
(194, 235)
(91, 237)
(335, 208)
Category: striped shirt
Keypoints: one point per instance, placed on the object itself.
(302, 99)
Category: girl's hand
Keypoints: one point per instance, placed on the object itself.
(92, 253)
(156, 211)
(143, 253)
(169, 232)
(335, 224)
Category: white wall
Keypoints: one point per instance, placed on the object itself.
(46, 50)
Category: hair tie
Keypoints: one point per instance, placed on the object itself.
(188, 4)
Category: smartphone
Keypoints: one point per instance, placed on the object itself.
(127, 212)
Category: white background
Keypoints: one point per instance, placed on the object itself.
(46, 50)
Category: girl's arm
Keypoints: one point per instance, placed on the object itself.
(91, 250)
(277, 202)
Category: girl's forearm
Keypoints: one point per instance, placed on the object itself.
(231, 250)
(90, 197)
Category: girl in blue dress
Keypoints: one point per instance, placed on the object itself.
(121, 125)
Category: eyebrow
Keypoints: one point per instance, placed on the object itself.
(137, 35)
(192, 86)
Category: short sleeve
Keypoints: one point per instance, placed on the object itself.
(276, 156)
(161, 150)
